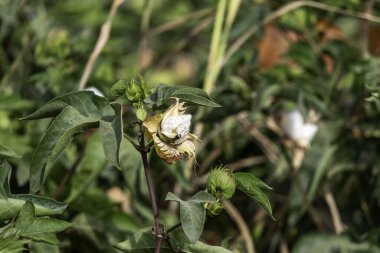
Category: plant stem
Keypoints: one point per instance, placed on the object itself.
(174, 228)
(152, 195)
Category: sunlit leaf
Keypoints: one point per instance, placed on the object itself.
(252, 186)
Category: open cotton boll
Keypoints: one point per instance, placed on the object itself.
(170, 132)
(295, 127)
(95, 90)
(176, 125)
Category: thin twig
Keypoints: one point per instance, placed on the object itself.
(186, 40)
(148, 7)
(335, 216)
(242, 225)
(283, 246)
(368, 7)
(246, 162)
(100, 43)
(235, 166)
(266, 145)
(178, 22)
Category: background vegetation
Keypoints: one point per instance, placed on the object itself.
(257, 58)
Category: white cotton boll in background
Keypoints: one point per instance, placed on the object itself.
(295, 127)
(95, 90)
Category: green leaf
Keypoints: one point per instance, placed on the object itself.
(200, 247)
(142, 241)
(192, 214)
(202, 197)
(49, 238)
(193, 217)
(117, 90)
(195, 96)
(43, 206)
(85, 102)
(251, 185)
(112, 134)
(247, 177)
(7, 152)
(77, 111)
(11, 204)
(165, 93)
(55, 140)
(26, 217)
(11, 244)
(171, 197)
(42, 228)
(5, 173)
(38, 229)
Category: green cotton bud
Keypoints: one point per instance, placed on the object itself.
(213, 209)
(136, 90)
(221, 183)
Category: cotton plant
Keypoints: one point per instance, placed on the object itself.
(161, 125)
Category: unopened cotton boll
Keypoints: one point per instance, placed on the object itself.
(295, 127)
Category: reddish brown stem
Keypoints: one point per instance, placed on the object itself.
(152, 195)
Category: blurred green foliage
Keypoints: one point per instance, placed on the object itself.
(318, 61)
